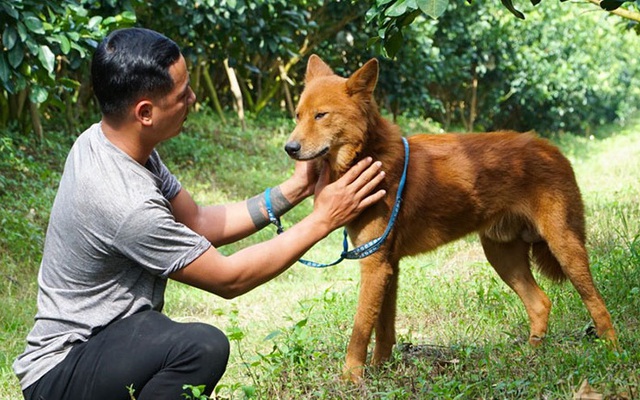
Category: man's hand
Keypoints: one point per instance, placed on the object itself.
(306, 175)
(342, 200)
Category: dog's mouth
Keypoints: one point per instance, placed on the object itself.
(294, 149)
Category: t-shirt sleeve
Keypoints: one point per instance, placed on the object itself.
(169, 184)
(151, 237)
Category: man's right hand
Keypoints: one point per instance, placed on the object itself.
(341, 201)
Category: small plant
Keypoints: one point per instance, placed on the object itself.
(196, 392)
(131, 391)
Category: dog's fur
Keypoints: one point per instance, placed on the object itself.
(515, 189)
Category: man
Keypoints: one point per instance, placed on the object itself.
(121, 224)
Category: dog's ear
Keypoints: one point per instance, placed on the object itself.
(364, 79)
(315, 68)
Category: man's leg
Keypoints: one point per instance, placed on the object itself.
(146, 351)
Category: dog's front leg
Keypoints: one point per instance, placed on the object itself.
(386, 323)
(376, 274)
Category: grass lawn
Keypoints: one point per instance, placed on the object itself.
(461, 331)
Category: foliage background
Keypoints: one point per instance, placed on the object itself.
(567, 67)
(569, 71)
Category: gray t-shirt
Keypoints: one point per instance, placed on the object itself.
(111, 242)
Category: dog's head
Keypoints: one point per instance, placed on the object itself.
(333, 115)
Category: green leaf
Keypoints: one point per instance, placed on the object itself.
(433, 8)
(74, 36)
(611, 5)
(108, 21)
(38, 94)
(301, 323)
(34, 24)
(47, 58)
(249, 391)
(4, 70)
(235, 334)
(11, 11)
(510, 7)
(94, 22)
(129, 16)
(272, 335)
(401, 7)
(15, 56)
(32, 46)
(69, 83)
(22, 31)
(393, 44)
(65, 45)
(9, 37)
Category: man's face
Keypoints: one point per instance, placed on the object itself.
(171, 111)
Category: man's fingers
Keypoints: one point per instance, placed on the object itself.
(355, 172)
(369, 173)
(371, 199)
(370, 184)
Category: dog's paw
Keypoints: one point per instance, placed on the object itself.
(536, 340)
(353, 374)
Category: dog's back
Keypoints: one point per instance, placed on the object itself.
(495, 183)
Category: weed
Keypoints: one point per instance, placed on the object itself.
(194, 392)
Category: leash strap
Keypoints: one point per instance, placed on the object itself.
(366, 249)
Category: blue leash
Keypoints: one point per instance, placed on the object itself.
(361, 251)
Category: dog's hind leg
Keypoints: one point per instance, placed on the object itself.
(376, 275)
(511, 261)
(570, 251)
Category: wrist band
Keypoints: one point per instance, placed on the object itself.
(272, 216)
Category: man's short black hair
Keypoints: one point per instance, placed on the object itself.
(129, 64)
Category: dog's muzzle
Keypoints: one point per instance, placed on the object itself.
(293, 149)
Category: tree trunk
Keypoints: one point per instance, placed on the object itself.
(237, 93)
(286, 81)
(196, 78)
(246, 93)
(473, 109)
(212, 93)
(35, 120)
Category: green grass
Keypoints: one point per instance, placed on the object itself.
(461, 332)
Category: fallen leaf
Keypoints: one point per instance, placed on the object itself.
(586, 392)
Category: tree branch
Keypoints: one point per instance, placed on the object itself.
(621, 12)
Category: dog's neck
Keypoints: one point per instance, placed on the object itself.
(381, 141)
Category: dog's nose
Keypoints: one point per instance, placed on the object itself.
(292, 148)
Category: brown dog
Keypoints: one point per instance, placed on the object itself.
(516, 190)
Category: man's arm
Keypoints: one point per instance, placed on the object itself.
(223, 224)
(335, 205)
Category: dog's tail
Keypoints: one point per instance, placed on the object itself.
(546, 262)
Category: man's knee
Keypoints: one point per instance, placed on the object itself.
(208, 346)
(211, 341)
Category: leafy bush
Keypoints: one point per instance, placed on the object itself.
(479, 68)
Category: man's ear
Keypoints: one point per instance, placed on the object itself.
(144, 112)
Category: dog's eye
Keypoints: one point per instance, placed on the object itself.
(320, 115)
(297, 116)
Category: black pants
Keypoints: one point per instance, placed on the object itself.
(147, 351)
